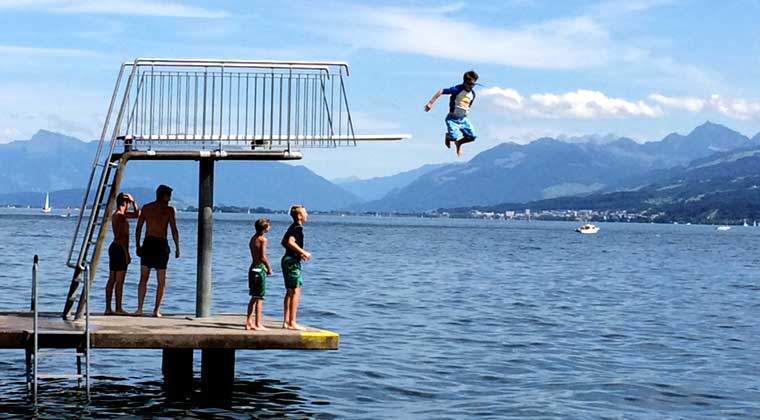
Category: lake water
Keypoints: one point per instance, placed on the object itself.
(440, 319)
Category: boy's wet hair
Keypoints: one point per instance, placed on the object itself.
(294, 209)
(163, 190)
(121, 199)
(470, 75)
(261, 225)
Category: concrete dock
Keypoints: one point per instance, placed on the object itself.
(172, 331)
(178, 335)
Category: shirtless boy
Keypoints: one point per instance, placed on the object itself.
(154, 252)
(257, 275)
(118, 252)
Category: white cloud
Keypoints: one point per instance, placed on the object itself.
(114, 7)
(590, 104)
(737, 108)
(685, 103)
(582, 104)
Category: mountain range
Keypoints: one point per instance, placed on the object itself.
(547, 168)
(544, 169)
(722, 188)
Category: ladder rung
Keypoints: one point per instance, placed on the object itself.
(58, 353)
(61, 332)
(59, 376)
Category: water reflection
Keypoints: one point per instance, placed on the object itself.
(120, 398)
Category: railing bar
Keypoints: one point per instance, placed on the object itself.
(279, 131)
(187, 102)
(263, 104)
(271, 109)
(152, 100)
(169, 98)
(213, 102)
(246, 106)
(237, 115)
(160, 103)
(229, 109)
(290, 85)
(255, 101)
(297, 118)
(221, 104)
(314, 111)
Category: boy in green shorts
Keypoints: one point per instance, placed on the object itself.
(292, 241)
(257, 275)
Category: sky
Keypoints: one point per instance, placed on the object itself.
(636, 68)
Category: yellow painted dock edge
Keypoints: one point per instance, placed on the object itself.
(320, 339)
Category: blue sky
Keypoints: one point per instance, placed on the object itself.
(636, 68)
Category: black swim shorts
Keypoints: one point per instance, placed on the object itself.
(117, 258)
(155, 252)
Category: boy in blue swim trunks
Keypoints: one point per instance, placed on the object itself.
(292, 241)
(458, 126)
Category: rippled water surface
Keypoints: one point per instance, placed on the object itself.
(440, 319)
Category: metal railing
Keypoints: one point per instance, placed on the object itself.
(223, 105)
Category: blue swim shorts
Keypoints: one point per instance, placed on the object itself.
(459, 127)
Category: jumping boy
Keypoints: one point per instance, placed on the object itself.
(118, 252)
(257, 275)
(458, 126)
(292, 241)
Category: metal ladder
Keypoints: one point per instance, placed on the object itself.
(109, 174)
(36, 354)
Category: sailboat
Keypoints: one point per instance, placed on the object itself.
(46, 208)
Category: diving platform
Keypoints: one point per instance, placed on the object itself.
(208, 111)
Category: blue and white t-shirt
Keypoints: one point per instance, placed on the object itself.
(461, 100)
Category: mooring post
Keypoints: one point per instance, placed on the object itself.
(205, 219)
(217, 375)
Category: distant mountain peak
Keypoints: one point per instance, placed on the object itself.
(51, 136)
(711, 129)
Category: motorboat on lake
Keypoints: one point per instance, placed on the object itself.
(587, 228)
(723, 228)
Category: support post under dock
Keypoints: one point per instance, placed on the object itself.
(205, 221)
(217, 374)
(177, 368)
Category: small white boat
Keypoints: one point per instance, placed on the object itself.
(587, 228)
(46, 208)
(723, 228)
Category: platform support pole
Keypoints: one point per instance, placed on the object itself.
(177, 367)
(205, 221)
(217, 375)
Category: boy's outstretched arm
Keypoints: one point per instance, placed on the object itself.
(433, 99)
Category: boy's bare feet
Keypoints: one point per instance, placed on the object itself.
(157, 314)
(248, 326)
(447, 142)
(138, 313)
(108, 312)
(260, 328)
(121, 312)
(295, 327)
(458, 143)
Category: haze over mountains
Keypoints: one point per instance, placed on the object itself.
(508, 173)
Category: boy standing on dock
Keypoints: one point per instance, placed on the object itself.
(458, 126)
(257, 275)
(118, 252)
(154, 252)
(292, 241)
